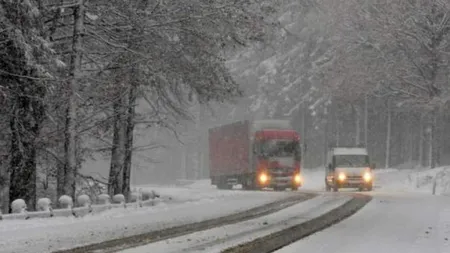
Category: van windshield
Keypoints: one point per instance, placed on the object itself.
(351, 160)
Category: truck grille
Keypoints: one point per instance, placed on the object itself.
(281, 172)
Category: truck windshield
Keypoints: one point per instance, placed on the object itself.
(351, 160)
(280, 148)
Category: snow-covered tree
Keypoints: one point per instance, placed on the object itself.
(401, 50)
(25, 70)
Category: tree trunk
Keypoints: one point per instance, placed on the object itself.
(388, 136)
(421, 140)
(70, 144)
(129, 139)
(325, 139)
(196, 156)
(338, 133)
(60, 176)
(120, 139)
(4, 184)
(337, 125)
(366, 120)
(430, 147)
(23, 166)
(434, 140)
(183, 162)
(356, 114)
(303, 137)
(411, 140)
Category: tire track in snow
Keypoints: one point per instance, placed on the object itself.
(220, 238)
(277, 240)
(154, 236)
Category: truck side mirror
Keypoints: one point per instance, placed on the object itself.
(329, 166)
(372, 166)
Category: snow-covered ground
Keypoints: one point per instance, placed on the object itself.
(217, 239)
(390, 223)
(200, 190)
(414, 180)
(189, 202)
(313, 179)
(193, 203)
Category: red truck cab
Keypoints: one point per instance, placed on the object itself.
(277, 156)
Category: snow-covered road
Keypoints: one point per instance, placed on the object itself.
(390, 223)
(220, 238)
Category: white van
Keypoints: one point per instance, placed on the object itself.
(348, 168)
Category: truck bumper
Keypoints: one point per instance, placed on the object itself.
(277, 182)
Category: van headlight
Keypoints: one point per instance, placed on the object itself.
(367, 177)
(297, 179)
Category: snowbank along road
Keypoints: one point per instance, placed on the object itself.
(191, 206)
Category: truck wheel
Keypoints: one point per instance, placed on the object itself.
(247, 187)
(294, 188)
(327, 188)
(221, 186)
(335, 189)
(224, 186)
(250, 184)
(369, 188)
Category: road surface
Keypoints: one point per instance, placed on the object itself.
(390, 223)
(220, 238)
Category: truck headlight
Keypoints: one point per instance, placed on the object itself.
(297, 179)
(263, 178)
(342, 176)
(367, 177)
